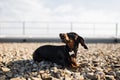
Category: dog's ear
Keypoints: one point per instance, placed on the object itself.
(81, 41)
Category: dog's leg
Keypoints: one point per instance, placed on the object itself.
(73, 61)
(75, 51)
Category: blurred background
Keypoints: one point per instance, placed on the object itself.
(40, 20)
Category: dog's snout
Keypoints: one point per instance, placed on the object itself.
(61, 36)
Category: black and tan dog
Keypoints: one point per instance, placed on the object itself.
(60, 54)
(72, 39)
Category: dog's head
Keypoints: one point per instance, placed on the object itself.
(72, 40)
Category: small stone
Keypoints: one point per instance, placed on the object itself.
(111, 73)
(83, 64)
(34, 65)
(45, 76)
(56, 75)
(54, 69)
(22, 69)
(35, 74)
(118, 74)
(100, 75)
(67, 71)
(99, 69)
(3, 77)
(1, 72)
(35, 78)
(117, 65)
(9, 74)
(26, 76)
(16, 75)
(67, 78)
(76, 76)
(110, 77)
(95, 61)
(18, 78)
(5, 69)
(28, 79)
(1, 59)
(56, 78)
(81, 77)
(41, 63)
(91, 76)
(41, 71)
(107, 69)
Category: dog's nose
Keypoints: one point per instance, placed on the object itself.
(61, 35)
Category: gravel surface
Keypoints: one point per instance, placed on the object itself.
(100, 62)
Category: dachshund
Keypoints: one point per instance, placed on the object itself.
(60, 54)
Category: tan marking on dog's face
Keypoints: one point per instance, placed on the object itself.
(71, 44)
(69, 41)
(66, 37)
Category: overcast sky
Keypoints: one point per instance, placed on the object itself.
(60, 10)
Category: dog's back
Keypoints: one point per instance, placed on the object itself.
(56, 54)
